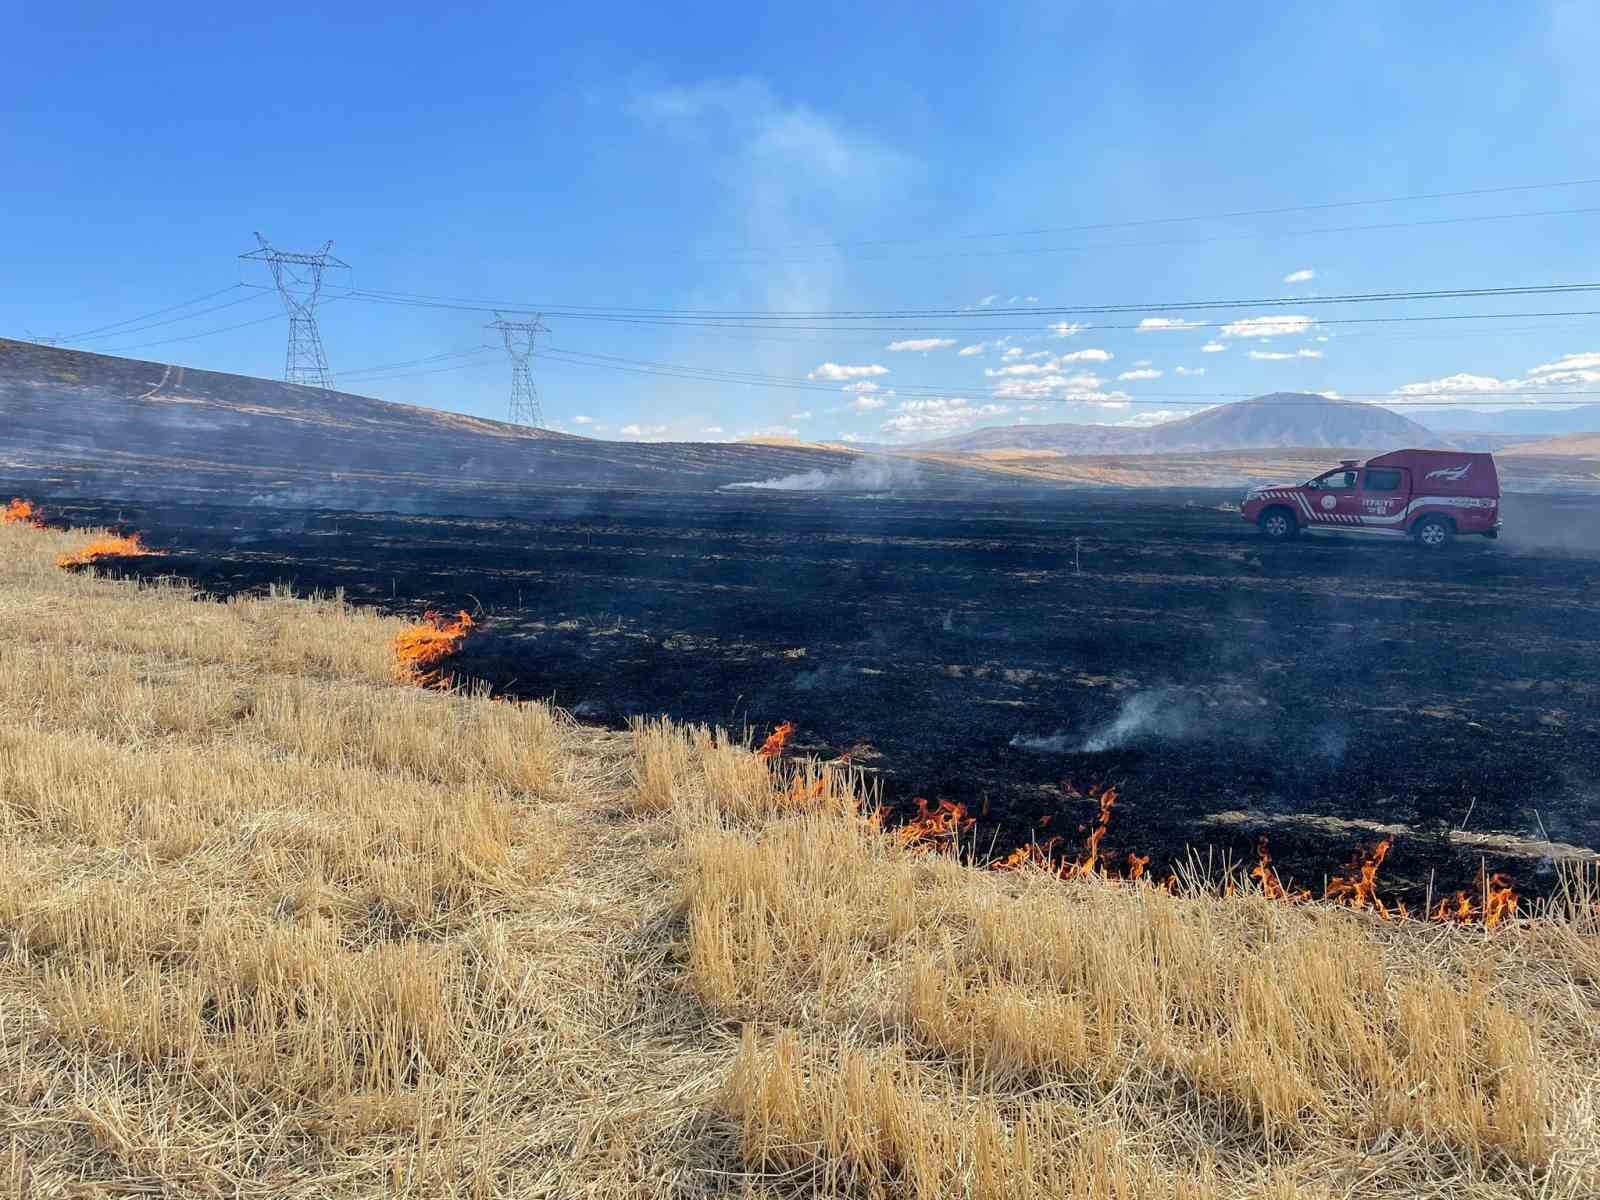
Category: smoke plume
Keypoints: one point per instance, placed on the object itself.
(1170, 713)
(880, 474)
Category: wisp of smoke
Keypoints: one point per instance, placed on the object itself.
(1169, 712)
(880, 474)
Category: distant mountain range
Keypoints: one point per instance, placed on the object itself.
(1543, 421)
(1302, 419)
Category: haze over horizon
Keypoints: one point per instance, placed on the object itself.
(838, 161)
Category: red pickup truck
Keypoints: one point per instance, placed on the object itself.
(1430, 495)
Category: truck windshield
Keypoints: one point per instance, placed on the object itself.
(1336, 481)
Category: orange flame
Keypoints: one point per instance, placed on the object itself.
(417, 650)
(109, 546)
(21, 512)
(1034, 854)
(935, 827)
(1357, 886)
(1500, 902)
(1271, 886)
(774, 744)
(1092, 862)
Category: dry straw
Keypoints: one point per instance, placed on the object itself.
(273, 925)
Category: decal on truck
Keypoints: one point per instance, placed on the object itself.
(1450, 473)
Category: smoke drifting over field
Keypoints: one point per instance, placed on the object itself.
(865, 475)
(1169, 713)
(1174, 713)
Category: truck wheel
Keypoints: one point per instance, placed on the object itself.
(1433, 532)
(1278, 525)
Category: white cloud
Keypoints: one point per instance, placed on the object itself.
(1157, 416)
(839, 372)
(1277, 325)
(804, 415)
(1067, 328)
(1191, 370)
(1280, 355)
(581, 420)
(850, 437)
(1161, 324)
(921, 344)
(1213, 348)
(775, 431)
(970, 351)
(867, 403)
(864, 385)
(713, 429)
(1044, 364)
(642, 430)
(987, 301)
(1082, 387)
(1031, 299)
(1568, 369)
(936, 416)
(1459, 383)
(1304, 275)
(1141, 373)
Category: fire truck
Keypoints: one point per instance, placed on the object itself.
(1433, 496)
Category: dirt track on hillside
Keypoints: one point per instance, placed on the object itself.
(1321, 693)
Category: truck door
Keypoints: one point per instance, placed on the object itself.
(1383, 496)
(1334, 498)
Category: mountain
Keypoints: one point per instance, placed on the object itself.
(1527, 420)
(74, 423)
(1290, 419)
(1301, 419)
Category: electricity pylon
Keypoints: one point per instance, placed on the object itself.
(298, 278)
(518, 337)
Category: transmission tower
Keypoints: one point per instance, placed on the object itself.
(298, 278)
(519, 345)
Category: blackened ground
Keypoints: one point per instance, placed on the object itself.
(1321, 692)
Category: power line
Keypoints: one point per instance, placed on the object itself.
(1187, 326)
(187, 337)
(465, 351)
(173, 320)
(755, 379)
(1177, 241)
(1222, 216)
(756, 318)
(88, 333)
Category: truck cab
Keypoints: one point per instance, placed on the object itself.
(1433, 496)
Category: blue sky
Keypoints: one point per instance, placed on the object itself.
(818, 158)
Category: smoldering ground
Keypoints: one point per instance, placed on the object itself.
(1452, 679)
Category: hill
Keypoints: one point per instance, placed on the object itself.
(1578, 445)
(80, 423)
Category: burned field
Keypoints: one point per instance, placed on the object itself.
(1018, 654)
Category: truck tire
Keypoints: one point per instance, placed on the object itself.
(1433, 532)
(1278, 524)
